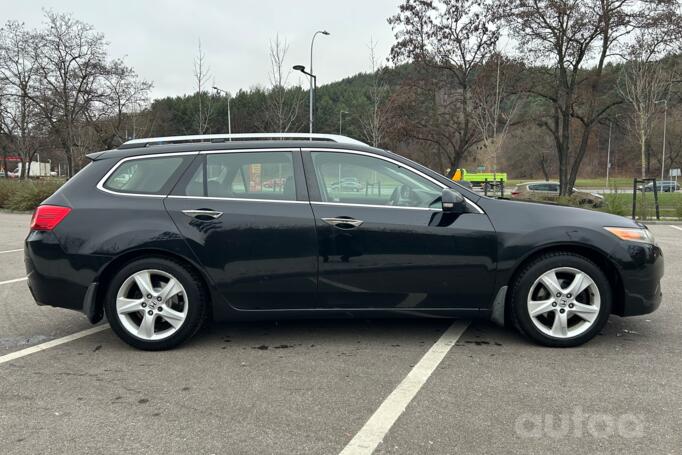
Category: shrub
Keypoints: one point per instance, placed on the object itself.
(27, 195)
(618, 203)
(7, 187)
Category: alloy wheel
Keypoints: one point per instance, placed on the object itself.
(564, 302)
(152, 304)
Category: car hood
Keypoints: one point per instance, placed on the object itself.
(549, 214)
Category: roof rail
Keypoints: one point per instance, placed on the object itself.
(239, 137)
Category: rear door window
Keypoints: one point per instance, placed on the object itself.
(153, 175)
(243, 175)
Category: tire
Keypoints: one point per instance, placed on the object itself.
(585, 314)
(156, 323)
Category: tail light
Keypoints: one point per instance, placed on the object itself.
(515, 193)
(47, 217)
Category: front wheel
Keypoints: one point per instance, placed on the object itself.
(155, 304)
(561, 300)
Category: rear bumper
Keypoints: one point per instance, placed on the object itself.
(641, 276)
(58, 279)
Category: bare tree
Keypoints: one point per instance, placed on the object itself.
(494, 106)
(202, 74)
(577, 37)
(643, 85)
(71, 59)
(447, 40)
(374, 120)
(19, 119)
(283, 103)
(124, 93)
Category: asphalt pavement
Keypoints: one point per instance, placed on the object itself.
(315, 386)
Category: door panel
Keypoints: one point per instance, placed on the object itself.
(403, 258)
(396, 251)
(259, 245)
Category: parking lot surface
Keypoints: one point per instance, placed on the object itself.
(311, 386)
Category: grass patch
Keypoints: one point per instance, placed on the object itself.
(616, 182)
(670, 205)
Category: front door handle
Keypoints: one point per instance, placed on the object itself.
(343, 223)
(199, 213)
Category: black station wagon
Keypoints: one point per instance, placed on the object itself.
(163, 234)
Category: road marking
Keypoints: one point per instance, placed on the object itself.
(50, 344)
(12, 251)
(675, 227)
(372, 433)
(16, 280)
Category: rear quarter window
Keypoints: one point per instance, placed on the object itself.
(145, 175)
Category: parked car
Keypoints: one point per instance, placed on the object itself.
(347, 184)
(185, 237)
(663, 186)
(549, 191)
(274, 183)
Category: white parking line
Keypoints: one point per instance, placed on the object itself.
(11, 251)
(50, 344)
(373, 432)
(16, 280)
(675, 227)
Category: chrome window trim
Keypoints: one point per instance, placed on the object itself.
(274, 149)
(428, 209)
(100, 184)
(238, 199)
(396, 162)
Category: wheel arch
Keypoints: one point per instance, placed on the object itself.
(105, 275)
(598, 257)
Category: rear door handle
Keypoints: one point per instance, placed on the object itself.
(343, 223)
(203, 213)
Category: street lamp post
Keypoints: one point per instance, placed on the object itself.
(665, 121)
(229, 114)
(608, 158)
(313, 79)
(341, 112)
(313, 85)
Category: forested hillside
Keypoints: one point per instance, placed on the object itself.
(527, 152)
(570, 81)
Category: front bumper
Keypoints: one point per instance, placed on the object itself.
(641, 269)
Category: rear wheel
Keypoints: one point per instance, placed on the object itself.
(155, 304)
(561, 299)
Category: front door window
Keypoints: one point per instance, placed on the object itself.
(359, 179)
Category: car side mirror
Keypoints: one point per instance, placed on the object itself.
(452, 201)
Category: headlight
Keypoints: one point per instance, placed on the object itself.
(632, 234)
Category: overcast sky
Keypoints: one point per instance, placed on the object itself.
(159, 38)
